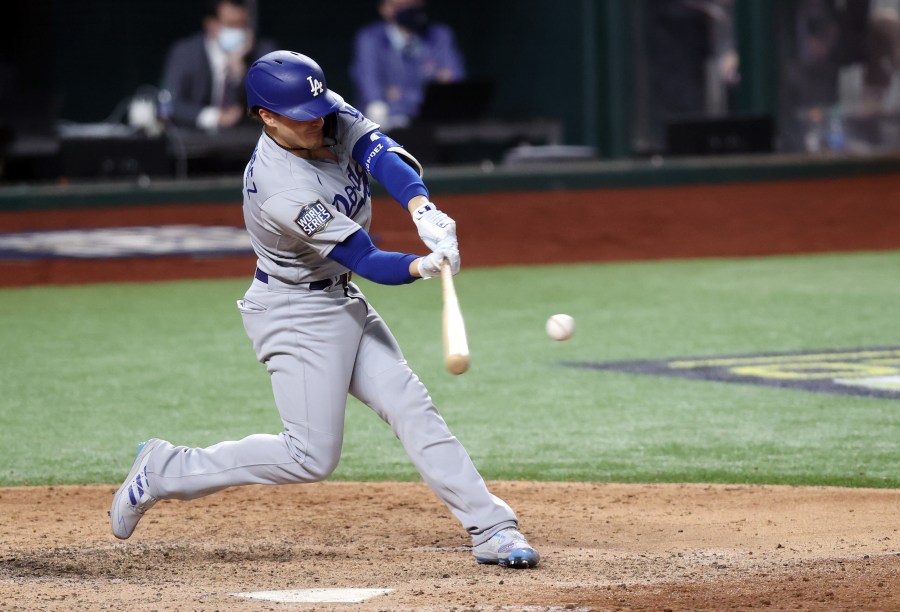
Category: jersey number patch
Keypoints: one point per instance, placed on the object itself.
(313, 218)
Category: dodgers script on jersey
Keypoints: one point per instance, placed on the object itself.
(296, 209)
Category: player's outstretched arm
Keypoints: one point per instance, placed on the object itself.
(401, 174)
(387, 267)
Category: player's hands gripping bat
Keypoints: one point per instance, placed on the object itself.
(430, 265)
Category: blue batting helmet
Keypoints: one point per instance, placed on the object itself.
(292, 85)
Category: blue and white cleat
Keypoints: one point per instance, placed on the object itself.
(508, 548)
(133, 498)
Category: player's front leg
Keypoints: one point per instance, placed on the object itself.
(384, 382)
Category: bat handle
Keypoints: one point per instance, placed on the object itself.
(448, 284)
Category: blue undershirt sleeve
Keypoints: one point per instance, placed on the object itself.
(400, 179)
(384, 267)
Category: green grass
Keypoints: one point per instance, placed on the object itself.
(89, 371)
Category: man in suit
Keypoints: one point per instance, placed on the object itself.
(204, 72)
(395, 58)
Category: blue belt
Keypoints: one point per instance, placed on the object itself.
(315, 285)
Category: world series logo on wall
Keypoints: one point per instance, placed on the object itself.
(870, 372)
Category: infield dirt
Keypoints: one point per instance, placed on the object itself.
(605, 546)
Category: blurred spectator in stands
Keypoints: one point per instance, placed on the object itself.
(821, 43)
(692, 61)
(818, 37)
(883, 57)
(395, 58)
(204, 72)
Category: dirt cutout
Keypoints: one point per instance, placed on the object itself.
(605, 546)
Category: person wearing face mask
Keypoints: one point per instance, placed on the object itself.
(204, 72)
(395, 58)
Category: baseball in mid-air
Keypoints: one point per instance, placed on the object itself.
(560, 327)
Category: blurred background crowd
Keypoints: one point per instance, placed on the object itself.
(106, 90)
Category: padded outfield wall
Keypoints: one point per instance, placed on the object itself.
(529, 215)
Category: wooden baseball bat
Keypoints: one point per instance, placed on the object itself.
(456, 346)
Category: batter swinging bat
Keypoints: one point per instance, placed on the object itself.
(456, 346)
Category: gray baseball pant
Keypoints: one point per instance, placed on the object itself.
(317, 345)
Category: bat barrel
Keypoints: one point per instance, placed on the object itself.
(456, 346)
(456, 364)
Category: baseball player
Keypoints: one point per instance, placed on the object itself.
(307, 207)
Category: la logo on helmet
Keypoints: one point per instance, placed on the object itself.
(315, 86)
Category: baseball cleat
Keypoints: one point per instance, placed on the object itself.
(508, 548)
(133, 498)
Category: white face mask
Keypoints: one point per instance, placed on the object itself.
(231, 39)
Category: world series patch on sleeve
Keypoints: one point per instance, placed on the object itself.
(314, 218)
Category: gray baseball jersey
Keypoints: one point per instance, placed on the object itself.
(319, 344)
(296, 210)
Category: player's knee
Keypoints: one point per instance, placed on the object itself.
(315, 462)
(312, 469)
(320, 468)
